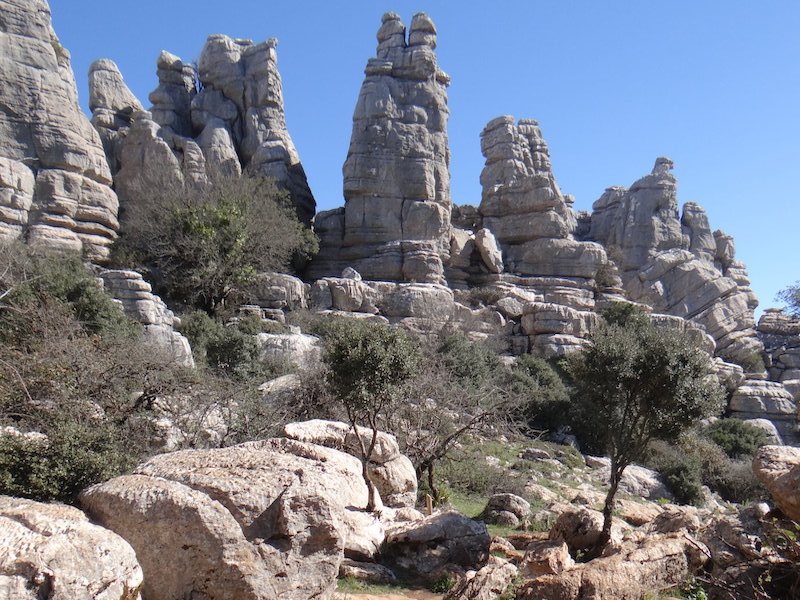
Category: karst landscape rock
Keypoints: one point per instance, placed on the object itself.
(520, 271)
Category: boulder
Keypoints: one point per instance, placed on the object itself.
(267, 519)
(442, 539)
(297, 348)
(487, 583)
(778, 469)
(653, 563)
(545, 557)
(506, 509)
(53, 551)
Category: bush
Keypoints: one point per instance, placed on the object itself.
(76, 455)
(753, 363)
(544, 399)
(203, 247)
(738, 439)
(467, 362)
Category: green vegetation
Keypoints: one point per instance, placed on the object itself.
(203, 247)
(367, 367)
(637, 383)
(790, 296)
(738, 439)
(73, 368)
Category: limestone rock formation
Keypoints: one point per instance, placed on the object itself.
(140, 304)
(221, 120)
(778, 469)
(267, 519)
(524, 207)
(447, 538)
(53, 551)
(395, 224)
(757, 398)
(506, 509)
(54, 178)
(780, 334)
(487, 583)
(674, 263)
(392, 473)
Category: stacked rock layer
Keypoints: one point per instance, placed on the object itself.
(55, 183)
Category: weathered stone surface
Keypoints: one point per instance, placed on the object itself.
(53, 551)
(396, 177)
(506, 509)
(140, 304)
(490, 251)
(340, 436)
(45, 137)
(674, 263)
(757, 398)
(636, 480)
(487, 583)
(267, 519)
(546, 557)
(654, 563)
(297, 348)
(447, 538)
(280, 291)
(778, 469)
(780, 334)
(524, 207)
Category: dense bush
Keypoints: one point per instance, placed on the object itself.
(738, 439)
(466, 361)
(544, 400)
(74, 368)
(203, 247)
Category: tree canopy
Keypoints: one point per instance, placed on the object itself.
(636, 383)
(790, 295)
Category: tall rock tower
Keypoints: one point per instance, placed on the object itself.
(55, 184)
(395, 224)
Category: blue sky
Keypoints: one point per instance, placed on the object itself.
(714, 85)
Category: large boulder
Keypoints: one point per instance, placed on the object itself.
(53, 551)
(485, 584)
(268, 519)
(778, 469)
(446, 538)
(655, 562)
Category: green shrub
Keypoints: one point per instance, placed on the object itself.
(737, 438)
(753, 363)
(544, 399)
(76, 455)
(466, 361)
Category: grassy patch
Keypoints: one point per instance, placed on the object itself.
(349, 585)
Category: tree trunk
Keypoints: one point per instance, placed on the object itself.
(608, 509)
(434, 490)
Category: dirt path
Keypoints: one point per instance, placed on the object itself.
(408, 595)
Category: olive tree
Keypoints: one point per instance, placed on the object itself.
(636, 383)
(367, 367)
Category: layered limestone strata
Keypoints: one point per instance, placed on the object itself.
(674, 263)
(780, 334)
(140, 304)
(225, 118)
(395, 224)
(55, 183)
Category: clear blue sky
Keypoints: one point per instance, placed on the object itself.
(714, 85)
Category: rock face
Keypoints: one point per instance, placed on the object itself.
(53, 551)
(757, 398)
(54, 178)
(395, 224)
(268, 519)
(139, 303)
(778, 469)
(226, 118)
(780, 334)
(674, 263)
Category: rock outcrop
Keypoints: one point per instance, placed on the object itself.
(395, 224)
(268, 519)
(780, 334)
(140, 304)
(674, 263)
(778, 469)
(219, 121)
(53, 551)
(55, 183)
